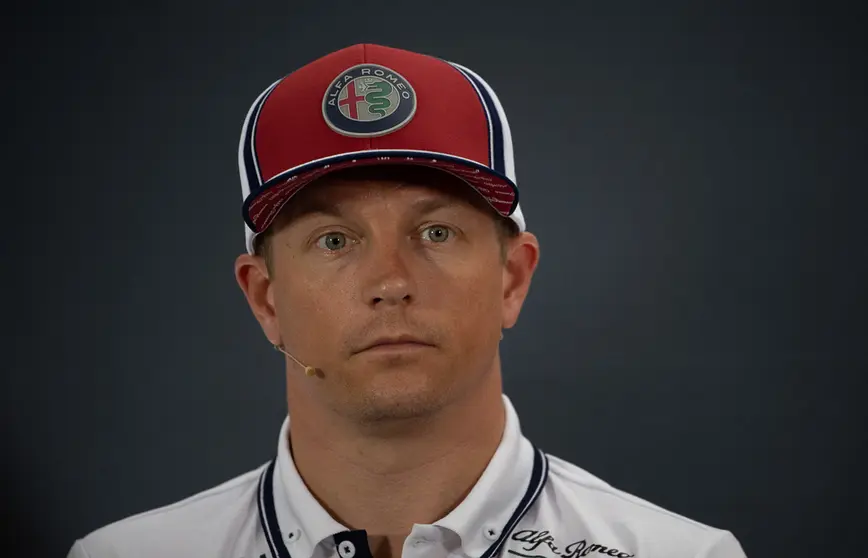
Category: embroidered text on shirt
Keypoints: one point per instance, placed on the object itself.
(533, 539)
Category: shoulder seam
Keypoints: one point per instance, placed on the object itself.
(712, 543)
(80, 544)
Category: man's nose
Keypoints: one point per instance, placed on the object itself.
(390, 280)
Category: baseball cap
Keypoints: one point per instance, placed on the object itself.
(370, 104)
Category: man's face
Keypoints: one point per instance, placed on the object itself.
(393, 285)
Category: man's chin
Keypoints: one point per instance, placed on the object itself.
(397, 405)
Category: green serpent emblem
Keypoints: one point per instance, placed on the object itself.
(377, 98)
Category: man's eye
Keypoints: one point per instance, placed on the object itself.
(332, 241)
(436, 233)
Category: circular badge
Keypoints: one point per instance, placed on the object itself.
(368, 100)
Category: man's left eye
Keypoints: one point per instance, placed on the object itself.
(436, 233)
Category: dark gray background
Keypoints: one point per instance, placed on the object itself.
(695, 333)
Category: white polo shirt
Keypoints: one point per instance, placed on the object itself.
(526, 504)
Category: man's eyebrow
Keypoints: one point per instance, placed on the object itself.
(428, 205)
(315, 207)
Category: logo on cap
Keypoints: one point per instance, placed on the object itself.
(367, 101)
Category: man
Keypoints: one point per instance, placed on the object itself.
(386, 253)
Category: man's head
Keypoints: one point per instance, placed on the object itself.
(381, 206)
(380, 254)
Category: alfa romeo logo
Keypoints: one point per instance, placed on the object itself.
(367, 101)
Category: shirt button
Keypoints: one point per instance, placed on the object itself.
(293, 535)
(491, 532)
(347, 549)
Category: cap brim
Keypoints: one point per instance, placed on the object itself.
(261, 207)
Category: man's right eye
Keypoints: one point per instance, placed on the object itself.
(332, 241)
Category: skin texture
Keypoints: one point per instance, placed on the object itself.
(381, 436)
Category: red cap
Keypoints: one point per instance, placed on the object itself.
(369, 104)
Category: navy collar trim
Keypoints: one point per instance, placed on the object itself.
(277, 547)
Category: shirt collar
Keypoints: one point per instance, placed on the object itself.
(481, 518)
(508, 486)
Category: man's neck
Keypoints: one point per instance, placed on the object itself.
(386, 484)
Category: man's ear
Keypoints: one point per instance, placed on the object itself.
(522, 257)
(252, 275)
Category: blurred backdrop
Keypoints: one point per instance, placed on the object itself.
(696, 331)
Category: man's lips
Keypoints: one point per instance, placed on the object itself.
(395, 343)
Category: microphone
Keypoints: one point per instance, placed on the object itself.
(309, 371)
